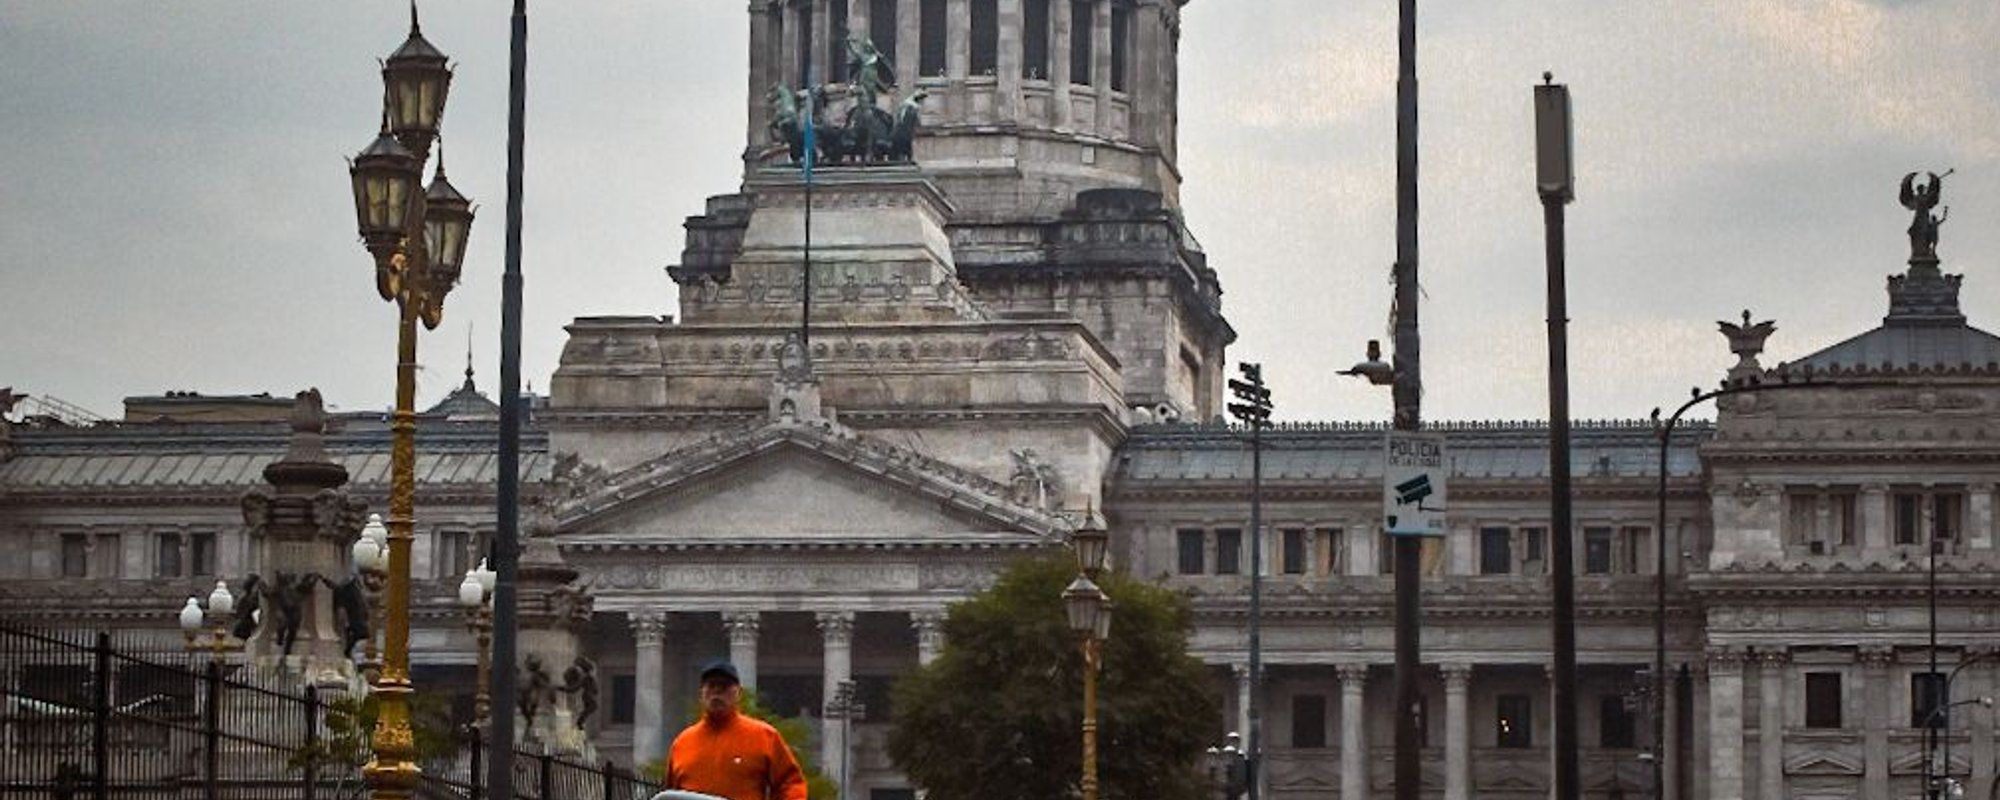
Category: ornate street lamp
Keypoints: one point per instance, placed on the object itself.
(1089, 614)
(215, 619)
(371, 561)
(475, 594)
(1092, 543)
(417, 239)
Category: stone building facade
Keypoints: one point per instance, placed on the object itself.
(1016, 330)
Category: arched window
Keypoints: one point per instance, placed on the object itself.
(985, 37)
(931, 52)
(1035, 40)
(1082, 25)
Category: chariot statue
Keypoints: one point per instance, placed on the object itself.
(1924, 226)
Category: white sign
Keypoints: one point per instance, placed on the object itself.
(1414, 473)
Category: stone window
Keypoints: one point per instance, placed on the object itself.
(1926, 696)
(75, 555)
(1292, 559)
(1513, 721)
(1327, 550)
(1615, 728)
(1035, 40)
(201, 554)
(453, 556)
(1632, 544)
(1819, 521)
(805, 55)
(167, 555)
(1947, 516)
(1082, 25)
(1940, 513)
(1533, 540)
(985, 37)
(624, 697)
(1190, 543)
(836, 41)
(1228, 551)
(1385, 554)
(1823, 699)
(882, 27)
(1597, 546)
(1309, 720)
(108, 556)
(931, 39)
(1121, 23)
(1496, 551)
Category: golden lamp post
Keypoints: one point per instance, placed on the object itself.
(1090, 619)
(417, 237)
(475, 595)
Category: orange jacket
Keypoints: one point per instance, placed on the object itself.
(740, 759)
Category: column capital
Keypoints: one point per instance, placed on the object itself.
(1875, 657)
(1773, 659)
(1240, 670)
(1725, 659)
(928, 620)
(1351, 674)
(648, 627)
(836, 626)
(1456, 676)
(741, 625)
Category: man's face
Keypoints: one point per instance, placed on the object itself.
(719, 695)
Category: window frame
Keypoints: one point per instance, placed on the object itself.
(1617, 726)
(1082, 42)
(1818, 713)
(1503, 557)
(1036, 40)
(933, 39)
(1507, 735)
(1293, 551)
(1927, 692)
(984, 37)
(1229, 558)
(1606, 537)
(1190, 542)
(77, 544)
(1309, 708)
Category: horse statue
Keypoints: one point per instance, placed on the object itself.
(868, 132)
(786, 125)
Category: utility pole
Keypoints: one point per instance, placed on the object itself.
(507, 541)
(1254, 412)
(1555, 182)
(1407, 391)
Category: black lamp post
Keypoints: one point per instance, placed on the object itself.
(1226, 767)
(1255, 413)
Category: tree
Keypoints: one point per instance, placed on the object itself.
(794, 731)
(998, 715)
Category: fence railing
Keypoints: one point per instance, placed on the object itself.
(83, 717)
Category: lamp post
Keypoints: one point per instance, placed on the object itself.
(207, 628)
(475, 595)
(417, 237)
(845, 706)
(371, 557)
(1089, 612)
(1938, 783)
(1254, 412)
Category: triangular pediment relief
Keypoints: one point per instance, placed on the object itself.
(800, 483)
(1823, 762)
(1911, 762)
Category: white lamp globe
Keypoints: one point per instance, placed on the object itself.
(191, 615)
(220, 601)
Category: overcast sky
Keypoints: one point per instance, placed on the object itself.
(174, 210)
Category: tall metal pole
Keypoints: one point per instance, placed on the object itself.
(1408, 394)
(394, 774)
(1254, 760)
(507, 542)
(1931, 784)
(1659, 699)
(1555, 183)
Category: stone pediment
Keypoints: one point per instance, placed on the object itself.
(1824, 762)
(801, 483)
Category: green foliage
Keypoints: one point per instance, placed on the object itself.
(345, 743)
(999, 714)
(796, 732)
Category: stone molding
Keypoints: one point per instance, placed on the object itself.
(1875, 658)
(648, 627)
(1351, 675)
(837, 627)
(1725, 660)
(742, 626)
(1457, 677)
(1772, 659)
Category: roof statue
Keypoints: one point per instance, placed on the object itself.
(1924, 227)
(1746, 341)
(868, 132)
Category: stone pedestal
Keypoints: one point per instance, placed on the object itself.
(558, 690)
(879, 252)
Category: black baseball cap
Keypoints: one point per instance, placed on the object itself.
(720, 666)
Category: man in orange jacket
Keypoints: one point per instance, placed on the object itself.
(729, 754)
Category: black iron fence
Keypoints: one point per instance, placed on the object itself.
(87, 716)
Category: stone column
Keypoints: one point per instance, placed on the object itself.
(1363, 547)
(1874, 691)
(1462, 550)
(1457, 732)
(1771, 667)
(786, 64)
(930, 634)
(1100, 70)
(742, 629)
(857, 25)
(761, 67)
(1875, 534)
(1698, 728)
(1007, 103)
(909, 44)
(649, 630)
(1725, 724)
(1241, 672)
(1059, 113)
(958, 41)
(1353, 715)
(837, 631)
(1979, 516)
